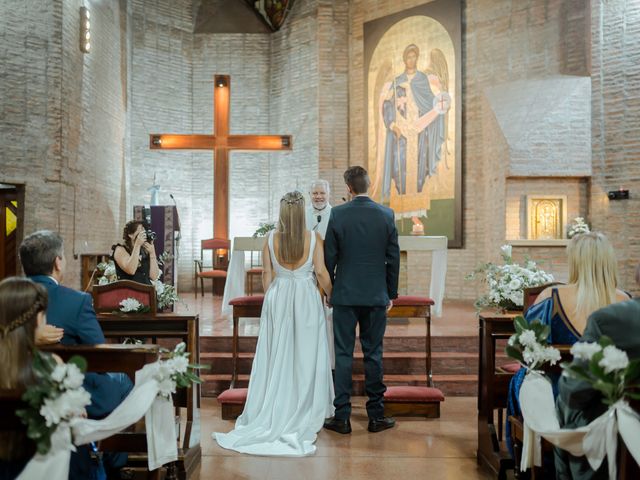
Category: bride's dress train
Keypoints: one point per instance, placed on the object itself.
(291, 388)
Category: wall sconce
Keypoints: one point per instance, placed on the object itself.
(286, 141)
(221, 82)
(156, 140)
(85, 30)
(620, 194)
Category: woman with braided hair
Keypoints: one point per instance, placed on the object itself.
(23, 304)
(290, 388)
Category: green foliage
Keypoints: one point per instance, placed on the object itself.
(263, 229)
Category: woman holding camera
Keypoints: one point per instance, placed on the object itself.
(135, 260)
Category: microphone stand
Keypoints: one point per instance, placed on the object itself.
(176, 262)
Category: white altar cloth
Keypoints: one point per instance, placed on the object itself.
(236, 274)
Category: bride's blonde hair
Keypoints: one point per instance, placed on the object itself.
(594, 271)
(291, 227)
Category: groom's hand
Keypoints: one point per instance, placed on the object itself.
(390, 306)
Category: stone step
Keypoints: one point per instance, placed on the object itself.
(453, 385)
(467, 344)
(410, 363)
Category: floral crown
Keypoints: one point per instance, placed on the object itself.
(21, 319)
(295, 197)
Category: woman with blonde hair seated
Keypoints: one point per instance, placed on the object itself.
(593, 282)
(23, 304)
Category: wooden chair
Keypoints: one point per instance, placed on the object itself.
(255, 270)
(217, 271)
(107, 298)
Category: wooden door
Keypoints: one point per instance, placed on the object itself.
(8, 232)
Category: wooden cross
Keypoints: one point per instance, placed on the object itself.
(221, 142)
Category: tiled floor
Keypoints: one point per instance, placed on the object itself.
(458, 319)
(415, 448)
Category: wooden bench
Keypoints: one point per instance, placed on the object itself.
(165, 326)
(400, 401)
(100, 359)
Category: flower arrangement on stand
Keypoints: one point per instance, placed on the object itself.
(529, 344)
(577, 227)
(508, 281)
(54, 400)
(606, 368)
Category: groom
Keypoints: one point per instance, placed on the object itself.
(363, 259)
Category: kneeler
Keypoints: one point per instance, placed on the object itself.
(409, 400)
(414, 400)
(232, 400)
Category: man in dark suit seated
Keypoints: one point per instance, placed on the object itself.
(578, 404)
(43, 261)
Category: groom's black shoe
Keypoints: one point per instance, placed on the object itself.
(337, 425)
(379, 424)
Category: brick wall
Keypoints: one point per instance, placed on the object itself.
(615, 57)
(64, 122)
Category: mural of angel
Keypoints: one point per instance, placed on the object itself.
(411, 88)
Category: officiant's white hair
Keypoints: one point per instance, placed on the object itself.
(319, 181)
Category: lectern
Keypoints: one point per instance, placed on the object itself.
(164, 221)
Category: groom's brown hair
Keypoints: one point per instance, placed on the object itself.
(357, 179)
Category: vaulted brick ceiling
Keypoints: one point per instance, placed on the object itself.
(240, 16)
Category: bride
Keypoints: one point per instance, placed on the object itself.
(290, 389)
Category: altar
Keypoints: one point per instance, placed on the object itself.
(236, 274)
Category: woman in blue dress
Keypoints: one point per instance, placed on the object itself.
(565, 308)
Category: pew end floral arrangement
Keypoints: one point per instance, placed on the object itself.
(606, 368)
(54, 400)
(529, 344)
(175, 371)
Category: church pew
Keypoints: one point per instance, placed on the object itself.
(100, 359)
(167, 326)
(493, 388)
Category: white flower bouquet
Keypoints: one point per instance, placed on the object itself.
(166, 294)
(176, 371)
(507, 282)
(54, 400)
(529, 344)
(131, 305)
(606, 368)
(577, 227)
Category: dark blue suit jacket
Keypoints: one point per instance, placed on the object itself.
(361, 253)
(72, 311)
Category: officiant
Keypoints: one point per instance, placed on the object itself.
(317, 214)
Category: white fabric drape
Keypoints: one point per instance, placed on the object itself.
(142, 401)
(595, 441)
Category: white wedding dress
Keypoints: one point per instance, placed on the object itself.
(290, 389)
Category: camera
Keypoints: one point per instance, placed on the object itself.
(151, 235)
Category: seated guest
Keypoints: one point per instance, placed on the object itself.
(43, 261)
(136, 259)
(592, 285)
(22, 313)
(578, 404)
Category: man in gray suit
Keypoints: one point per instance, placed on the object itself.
(578, 404)
(363, 259)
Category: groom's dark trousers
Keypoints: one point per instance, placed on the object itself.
(363, 260)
